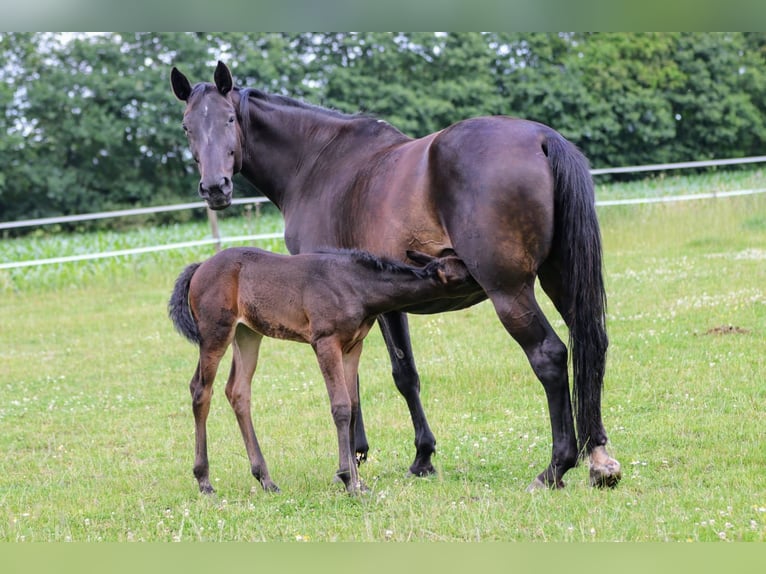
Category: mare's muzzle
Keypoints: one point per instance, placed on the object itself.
(218, 194)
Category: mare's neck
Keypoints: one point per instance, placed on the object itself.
(292, 149)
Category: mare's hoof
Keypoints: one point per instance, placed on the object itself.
(605, 472)
(206, 489)
(605, 477)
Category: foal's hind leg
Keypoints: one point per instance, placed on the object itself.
(238, 391)
(396, 333)
(547, 354)
(201, 388)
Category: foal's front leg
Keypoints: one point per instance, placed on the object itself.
(238, 391)
(351, 375)
(330, 358)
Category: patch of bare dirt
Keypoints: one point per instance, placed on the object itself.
(727, 330)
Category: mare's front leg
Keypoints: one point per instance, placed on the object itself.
(330, 358)
(238, 390)
(396, 333)
(361, 446)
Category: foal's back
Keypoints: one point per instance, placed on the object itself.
(306, 296)
(292, 297)
(261, 289)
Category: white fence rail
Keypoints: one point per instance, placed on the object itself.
(680, 165)
(217, 239)
(120, 213)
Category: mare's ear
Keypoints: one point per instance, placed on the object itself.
(223, 80)
(181, 86)
(419, 258)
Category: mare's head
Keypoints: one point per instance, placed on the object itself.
(215, 138)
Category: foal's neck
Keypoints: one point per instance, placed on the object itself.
(391, 290)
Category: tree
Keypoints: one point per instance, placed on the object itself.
(719, 108)
(419, 82)
(88, 122)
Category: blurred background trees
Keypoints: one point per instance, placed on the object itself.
(88, 122)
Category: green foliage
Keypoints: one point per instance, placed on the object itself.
(88, 122)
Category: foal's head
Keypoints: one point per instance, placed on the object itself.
(449, 269)
(215, 137)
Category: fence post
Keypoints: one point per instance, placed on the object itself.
(212, 217)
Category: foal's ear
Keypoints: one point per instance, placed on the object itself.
(181, 86)
(223, 79)
(419, 258)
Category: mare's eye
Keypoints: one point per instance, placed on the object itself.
(231, 119)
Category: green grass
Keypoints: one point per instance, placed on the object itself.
(97, 437)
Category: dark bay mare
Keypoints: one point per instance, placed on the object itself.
(330, 300)
(512, 198)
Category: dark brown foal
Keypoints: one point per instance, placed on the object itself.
(329, 299)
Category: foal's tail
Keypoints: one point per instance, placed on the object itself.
(578, 245)
(178, 306)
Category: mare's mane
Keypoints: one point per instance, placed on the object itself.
(277, 99)
(372, 124)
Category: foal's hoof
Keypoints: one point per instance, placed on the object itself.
(605, 472)
(353, 487)
(270, 487)
(357, 489)
(206, 489)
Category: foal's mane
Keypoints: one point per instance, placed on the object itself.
(383, 264)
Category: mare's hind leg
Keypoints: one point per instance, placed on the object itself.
(201, 388)
(396, 334)
(604, 470)
(238, 391)
(547, 354)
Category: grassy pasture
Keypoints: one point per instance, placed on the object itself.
(96, 428)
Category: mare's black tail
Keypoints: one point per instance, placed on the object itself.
(578, 244)
(178, 306)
